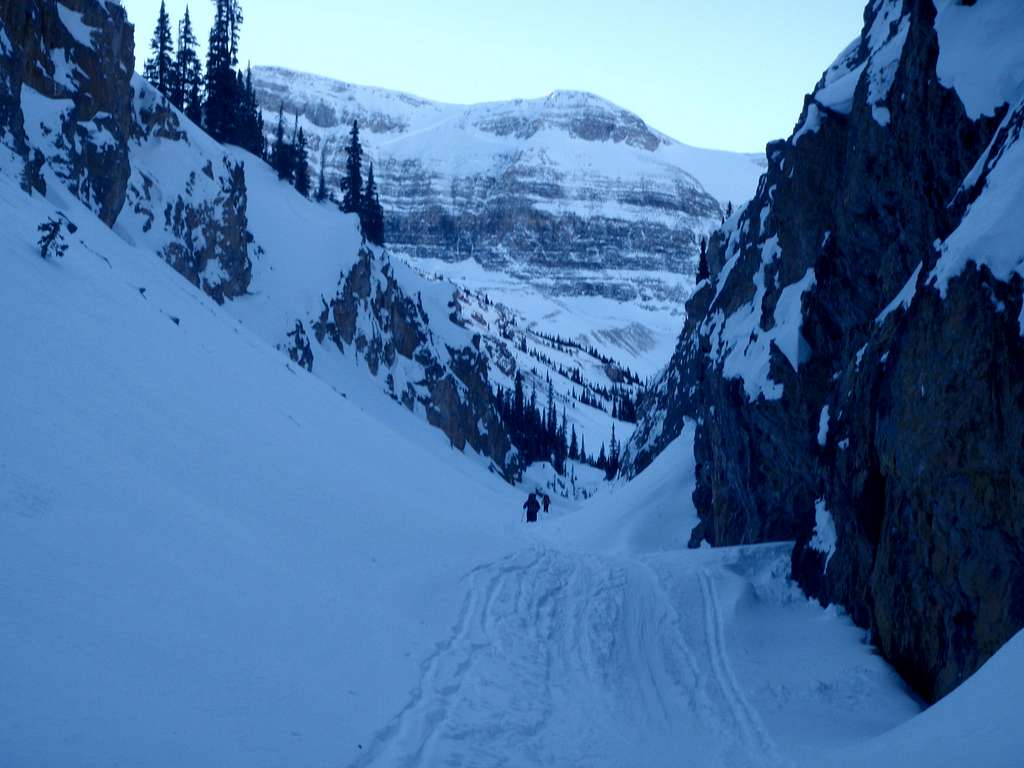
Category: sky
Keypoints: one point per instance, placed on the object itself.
(726, 74)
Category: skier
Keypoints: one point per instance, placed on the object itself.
(532, 507)
(547, 503)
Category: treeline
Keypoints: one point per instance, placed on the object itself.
(223, 102)
(540, 435)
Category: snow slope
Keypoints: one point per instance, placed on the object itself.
(209, 557)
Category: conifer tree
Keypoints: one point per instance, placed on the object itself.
(612, 461)
(281, 154)
(250, 117)
(159, 68)
(574, 448)
(302, 165)
(372, 215)
(187, 84)
(352, 185)
(223, 94)
(321, 184)
(703, 272)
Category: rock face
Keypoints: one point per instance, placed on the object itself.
(373, 316)
(194, 211)
(569, 193)
(857, 366)
(74, 113)
(73, 59)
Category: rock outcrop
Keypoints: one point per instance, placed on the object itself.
(194, 211)
(858, 362)
(71, 67)
(446, 379)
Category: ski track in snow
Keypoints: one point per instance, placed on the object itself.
(746, 717)
(561, 658)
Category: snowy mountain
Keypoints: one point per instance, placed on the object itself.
(852, 362)
(211, 555)
(297, 273)
(568, 208)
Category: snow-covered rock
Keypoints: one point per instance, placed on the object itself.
(859, 348)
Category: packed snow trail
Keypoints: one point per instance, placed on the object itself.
(570, 658)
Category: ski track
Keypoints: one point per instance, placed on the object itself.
(561, 658)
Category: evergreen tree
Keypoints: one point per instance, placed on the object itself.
(321, 184)
(223, 93)
(159, 68)
(612, 462)
(302, 165)
(352, 185)
(518, 403)
(187, 83)
(574, 448)
(372, 212)
(703, 272)
(281, 154)
(602, 459)
(250, 117)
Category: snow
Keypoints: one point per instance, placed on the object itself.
(902, 300)
(823, 421)
(824, 538)
(402, 127)
(811, 123)
(210, 557)
(200, 565)
(991, 231)
(983, 81)
(789, 319)
(74, 23)
(886, 46)
(744, 348)
(878, 62)
(841, 82)
(977, 724)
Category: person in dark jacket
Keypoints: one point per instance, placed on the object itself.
(547, 503)
(532, 507)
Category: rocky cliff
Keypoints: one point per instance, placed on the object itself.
(569, 193)
(444, 378)
(77, 117)
(856, 365)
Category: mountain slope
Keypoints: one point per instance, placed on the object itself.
(572, 206)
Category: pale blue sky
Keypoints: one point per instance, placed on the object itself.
(729, 74)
